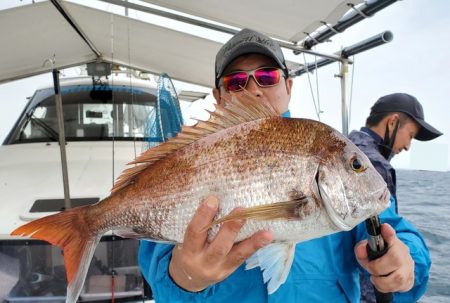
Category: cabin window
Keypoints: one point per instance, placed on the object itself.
(96, 114)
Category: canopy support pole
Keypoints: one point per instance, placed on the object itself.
(344, 104)
(62, 138)
(63, 11)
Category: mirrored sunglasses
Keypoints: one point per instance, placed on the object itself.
(264, 77)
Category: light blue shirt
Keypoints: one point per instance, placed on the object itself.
(286, 114)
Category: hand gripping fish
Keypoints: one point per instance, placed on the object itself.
(298, 178)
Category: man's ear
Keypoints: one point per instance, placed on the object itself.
(216, 94)
(392, 120)
(289, 82)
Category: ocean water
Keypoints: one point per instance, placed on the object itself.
(424, 199)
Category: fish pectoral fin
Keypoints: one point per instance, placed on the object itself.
(279, 210)
(275, 261)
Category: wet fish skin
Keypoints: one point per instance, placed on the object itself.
(293, 177)
(261, 162)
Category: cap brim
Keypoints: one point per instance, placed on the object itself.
(426, 132)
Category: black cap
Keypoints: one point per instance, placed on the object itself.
(244, 42)
(400, 102)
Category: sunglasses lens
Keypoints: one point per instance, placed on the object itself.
(267, 76)
(236, 81)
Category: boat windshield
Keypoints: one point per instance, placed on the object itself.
(92, 114)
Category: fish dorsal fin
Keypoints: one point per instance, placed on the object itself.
(238, 110)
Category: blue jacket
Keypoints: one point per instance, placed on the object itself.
(324, 270)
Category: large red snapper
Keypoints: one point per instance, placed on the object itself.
(298, 178)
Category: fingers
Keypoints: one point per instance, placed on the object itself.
(242, 251)
(197, 230)
(396, 256)
(388, 233)
(361, 253)
(395, 270)
(219, 248)
(197, 263)
(398, 281)
(224, 252)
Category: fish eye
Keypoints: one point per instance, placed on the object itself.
(357, 165)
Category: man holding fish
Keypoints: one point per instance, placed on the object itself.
(325, 269)
(286, 196)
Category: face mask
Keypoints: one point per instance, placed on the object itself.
(385, 147)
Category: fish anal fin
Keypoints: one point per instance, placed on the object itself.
(279, 210)
(275, 261)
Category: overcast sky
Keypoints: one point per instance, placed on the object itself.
(415, 62)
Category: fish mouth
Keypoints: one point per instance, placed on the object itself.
(326, 201)
(385, 198)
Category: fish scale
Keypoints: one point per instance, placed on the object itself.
(294, 177)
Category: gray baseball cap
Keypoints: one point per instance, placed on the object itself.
(400, 102)
(244, 42)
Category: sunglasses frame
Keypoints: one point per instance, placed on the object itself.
(252, 74)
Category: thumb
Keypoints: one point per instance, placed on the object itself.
(361, 253)
(388, 234)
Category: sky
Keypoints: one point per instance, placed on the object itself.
(415, 62)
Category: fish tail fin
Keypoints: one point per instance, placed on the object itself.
(70, 231)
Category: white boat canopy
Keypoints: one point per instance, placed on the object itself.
(285, 20)
(33, 35)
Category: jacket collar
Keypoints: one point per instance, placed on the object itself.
(372, 134)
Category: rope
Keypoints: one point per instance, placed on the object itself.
(133, 96)
(113, 150)
(112, 98)
(158, 105)
(113, 285)
(351, 93)
(317, 88)
(311, 89)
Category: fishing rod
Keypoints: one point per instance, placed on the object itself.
(376, 248)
